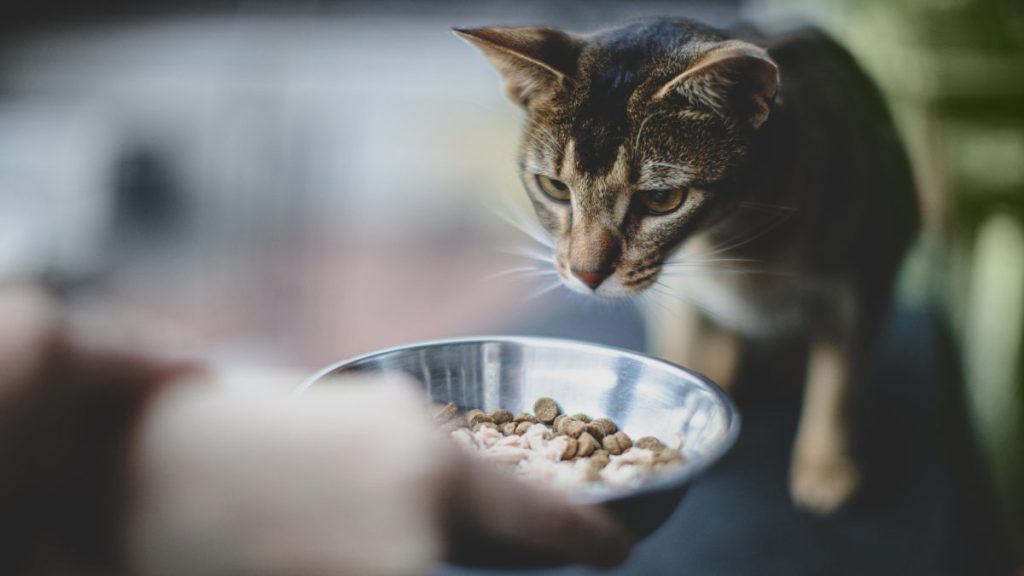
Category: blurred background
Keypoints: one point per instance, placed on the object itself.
(292, 183)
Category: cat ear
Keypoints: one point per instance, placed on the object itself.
(532, 60)
(734, 79)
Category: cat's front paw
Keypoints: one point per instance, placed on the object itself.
(821, 483)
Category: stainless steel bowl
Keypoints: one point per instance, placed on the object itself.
(644, 395)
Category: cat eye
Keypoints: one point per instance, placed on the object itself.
(554, 189)
(662, 201)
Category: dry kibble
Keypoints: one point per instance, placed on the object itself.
(668, 457)
(446, 413)
(559, 422)
(587, 445)
(570, 427)
(594, 430)
(650, 443)
(571, 447)
(548, 443)
(605, 426)
(474, 417)
(617, 443)
(480, 425)
(624, 440)
(524, 417)
(575, 428)
(500, 417)
(599, 460)
(601, 427)
(546, 410)
(610, 444)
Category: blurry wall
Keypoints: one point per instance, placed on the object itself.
(281, 182)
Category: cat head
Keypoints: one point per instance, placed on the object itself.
(630, 138)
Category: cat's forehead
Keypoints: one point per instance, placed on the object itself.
(618, 71)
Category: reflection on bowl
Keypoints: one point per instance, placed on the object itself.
(644, 395)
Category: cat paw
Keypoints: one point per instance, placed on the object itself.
(821, 484)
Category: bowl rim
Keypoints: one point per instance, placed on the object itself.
(658, 483)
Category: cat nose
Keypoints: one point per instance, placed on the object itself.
(592, 278)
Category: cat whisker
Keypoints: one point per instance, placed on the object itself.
(662, 290)
(528, 253)
(649, 298)
(682, 169)
(534, 234)
(524, 271)
(705, 263)
(742, 241)
(722, 272)
(766, 207)
(668, 292)
(556, 284)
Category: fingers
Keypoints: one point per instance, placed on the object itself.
(341, 480)
(498, 521)
(96, 363)
(35, 337)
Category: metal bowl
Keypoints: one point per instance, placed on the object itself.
(644, 395)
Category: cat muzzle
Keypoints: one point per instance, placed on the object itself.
(594, 278)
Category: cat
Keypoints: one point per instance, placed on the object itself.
(664, 143)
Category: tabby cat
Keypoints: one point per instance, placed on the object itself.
(665, 142)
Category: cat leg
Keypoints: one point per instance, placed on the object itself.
(673, 329)
(822, 474)
(680, 334)
(718, 355)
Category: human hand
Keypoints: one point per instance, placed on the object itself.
(348, 479)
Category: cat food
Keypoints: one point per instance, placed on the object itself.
(546, 410)
(564, 451)
(601, 427)
(617, 443)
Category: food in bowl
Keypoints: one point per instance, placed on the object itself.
(564, 451)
